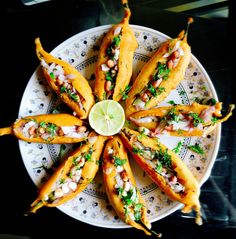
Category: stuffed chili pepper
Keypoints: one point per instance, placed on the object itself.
(67, 82)
(48, 128)
(180, 120)
(114, 66)
(121, 188)
(166, 169)
(72, 176)
(160, 75)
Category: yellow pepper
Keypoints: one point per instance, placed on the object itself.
(67, 82)
(72, 176)
(114, 66)
(48, 128)
(166, 169)
(160, 75)
(181, 120)
(125, 198)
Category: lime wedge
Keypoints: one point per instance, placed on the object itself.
(107, 117)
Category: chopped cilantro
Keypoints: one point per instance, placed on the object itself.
(63, 89)
(142, 134)
(51, 129)
(75, 162)
(196, 148)
(74, 96)
(118, 161)
(158, 168)
(137, 215)
(108, 76)
(62, 180)
(42, 124)
(120, 191)
(171, 116)
(116, 40)
(214, 120)
(162, 72)
(160, 90)
(163, 157)
(176, 149)
(196, 119)
(211, 101)
(137, 151)
(152, 90)
(172, 102)
(125, 92)
(115, 43)
(52, 75)
(88, 156)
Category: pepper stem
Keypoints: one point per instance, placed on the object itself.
(159, 235)
(34, 207)
(127, 9)
(190, 20)
(7, 130)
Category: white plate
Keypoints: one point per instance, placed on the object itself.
(91, 206)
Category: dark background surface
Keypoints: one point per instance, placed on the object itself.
(212, 43)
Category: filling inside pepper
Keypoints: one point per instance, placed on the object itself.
(160, 161)
(125, 189)
(69, 182)
(48, 131)
(63, 82)
(178, 121)
(110, 67)
(153, 89)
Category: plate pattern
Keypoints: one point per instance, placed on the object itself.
(92, 206)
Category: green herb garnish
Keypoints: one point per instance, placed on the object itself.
(137, 151)
(108, 76)
(62, 180)
(158, 168)
(162, 72)
(63, 89)
(160, 90)
(214, 120)
(125, 92)
(52, 75)
(196, 148)
(74, 97)
(196, 119)
(88, 156)
(172, 102)
(118, 161)
(152, 90)
(176, 149)
(163, 157)
(51, 129)
(142, 134)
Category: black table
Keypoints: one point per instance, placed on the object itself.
(56, 21)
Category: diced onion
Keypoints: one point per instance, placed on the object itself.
(105, 67)
(117, 31)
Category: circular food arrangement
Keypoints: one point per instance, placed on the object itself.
(119, 126)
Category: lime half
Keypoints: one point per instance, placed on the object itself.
(107, 117)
